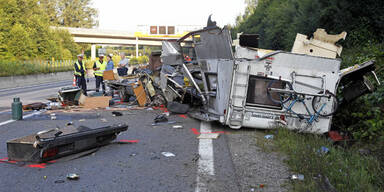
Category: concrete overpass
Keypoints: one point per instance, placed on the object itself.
(110, 37)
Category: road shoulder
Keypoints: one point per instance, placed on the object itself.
(257, 168)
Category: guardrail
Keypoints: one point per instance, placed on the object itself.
(19, 68)
(15, 68)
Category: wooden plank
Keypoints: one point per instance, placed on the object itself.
(139, 91)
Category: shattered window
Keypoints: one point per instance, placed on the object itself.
(257, 92)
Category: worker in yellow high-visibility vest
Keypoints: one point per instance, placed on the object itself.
(79, 72)
(99, 68)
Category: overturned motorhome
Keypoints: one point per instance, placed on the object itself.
(260, 88)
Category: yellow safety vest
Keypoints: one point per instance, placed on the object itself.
(101, 67)
(79, 67)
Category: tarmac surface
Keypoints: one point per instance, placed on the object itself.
(238, 163)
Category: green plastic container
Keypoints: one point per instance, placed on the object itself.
(17, 109)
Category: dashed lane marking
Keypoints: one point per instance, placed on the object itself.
(25, 116)
(205, 167)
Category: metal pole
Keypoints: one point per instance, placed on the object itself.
(93, 52)
(137, 47)
(190, 77)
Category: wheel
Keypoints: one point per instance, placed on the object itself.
(319, 104)
(277, 97)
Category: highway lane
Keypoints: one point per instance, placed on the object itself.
(35, 93)
(130, 167)
(232, 162)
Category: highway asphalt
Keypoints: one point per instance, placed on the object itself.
(236, 162)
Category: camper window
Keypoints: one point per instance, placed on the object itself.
(257, 92)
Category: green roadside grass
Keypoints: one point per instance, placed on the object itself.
(17, 68)
(341, 169)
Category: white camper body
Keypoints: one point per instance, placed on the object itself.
(235, 87)
(249, 104)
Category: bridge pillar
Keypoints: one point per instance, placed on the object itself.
(93, 51)
(137, 47)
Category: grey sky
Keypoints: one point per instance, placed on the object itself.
(127, 14)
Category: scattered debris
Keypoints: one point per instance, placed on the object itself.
(116, 113)
(164, 123)
(53, 116)
(35, 106)
(160, 118)
(69, 95)
(168, 154)
(326, 184)
(53, 143)
(155, 157)
(323, 150)
(150, 109)
(337, 136)
(178, 108)
(73, 176)
(177, 127)
(59, 181)
(208, 136)
(81, 120)
(54, 106)
(268, 137)
(124, 141)
(299, 177)
(103, 120)
(364, 151)
(52, 99)
(196, 158)
(69, 123)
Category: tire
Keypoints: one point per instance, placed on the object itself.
(317, 103)
(284, 97)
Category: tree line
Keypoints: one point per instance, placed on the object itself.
(25, 31)
(278, 21)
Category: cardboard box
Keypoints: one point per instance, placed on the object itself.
(94, 102)
(108, 75)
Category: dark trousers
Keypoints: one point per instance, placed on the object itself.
(99, 79)
(122, 71)
(81, 83)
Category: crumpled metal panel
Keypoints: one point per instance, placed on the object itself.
(214, 44)
(171, 53)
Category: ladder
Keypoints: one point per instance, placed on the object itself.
(239, 94)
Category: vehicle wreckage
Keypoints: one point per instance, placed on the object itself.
(259, 88)
(246, 86)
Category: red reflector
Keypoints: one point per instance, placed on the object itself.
(282, 117)
(50, 152)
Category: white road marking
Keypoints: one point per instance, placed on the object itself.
(24, 117)
(5, 111)
(206, 162)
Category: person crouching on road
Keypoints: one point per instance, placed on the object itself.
(79, 68)
(99, 67)
(110, 62)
